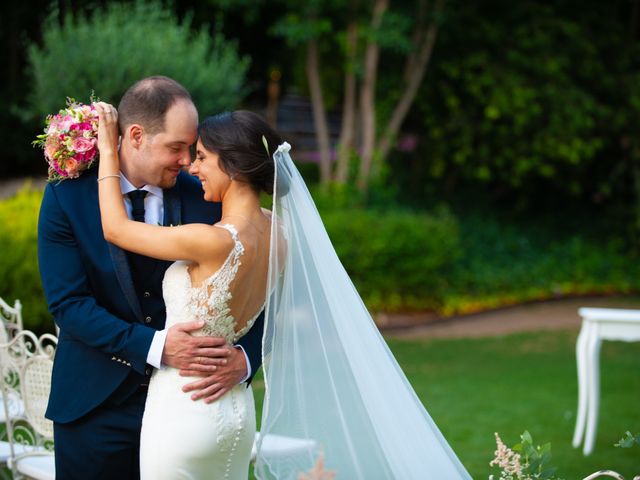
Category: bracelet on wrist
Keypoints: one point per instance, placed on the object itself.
(108, 176)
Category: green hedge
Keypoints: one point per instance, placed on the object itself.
(505, 263)
(398, 260)
(19, 276)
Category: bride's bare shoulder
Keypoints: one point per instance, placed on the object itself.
(218, 239)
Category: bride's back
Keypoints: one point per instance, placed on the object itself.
(248, 288)
(234, 161)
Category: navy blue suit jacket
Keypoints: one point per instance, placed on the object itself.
(90, 293)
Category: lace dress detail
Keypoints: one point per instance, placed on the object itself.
(210, 300)
(186, 439)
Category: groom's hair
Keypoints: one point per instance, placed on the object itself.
(146, 103)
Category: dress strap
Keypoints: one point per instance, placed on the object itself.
(229, 228)
(238, 248)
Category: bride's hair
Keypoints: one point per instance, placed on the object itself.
(237, 137)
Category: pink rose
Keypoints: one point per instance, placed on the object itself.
(72, 167)
(50, 150)
(66, 122)
(90, 155)
(82, 144)
(51, 147)
(81, 126)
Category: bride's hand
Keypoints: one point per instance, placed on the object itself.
(107, 129)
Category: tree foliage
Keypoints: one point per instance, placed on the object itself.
(533, 99)
(110, 49)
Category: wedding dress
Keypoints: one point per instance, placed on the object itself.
(183, 439)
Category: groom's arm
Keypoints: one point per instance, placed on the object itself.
(251, 344)
(213, 386)
(70, 298)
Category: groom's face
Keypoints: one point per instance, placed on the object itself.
(166, 153)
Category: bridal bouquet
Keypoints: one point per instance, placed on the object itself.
(70, 141)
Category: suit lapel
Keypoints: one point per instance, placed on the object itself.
(172, 210)
(122, 269)
(172, 216)
(123, 273)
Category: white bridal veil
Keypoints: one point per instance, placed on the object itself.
(336, 399)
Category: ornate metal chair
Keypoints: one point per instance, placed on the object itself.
(11, 317)
(10, 325)
(608, 473)
(26, 362)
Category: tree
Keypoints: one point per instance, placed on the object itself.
(113, 47)
(307, 30)
(366, 29)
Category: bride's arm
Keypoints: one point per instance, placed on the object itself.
(185, 242)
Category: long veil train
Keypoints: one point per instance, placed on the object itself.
(330, 378)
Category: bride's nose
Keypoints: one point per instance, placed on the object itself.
(193, 169)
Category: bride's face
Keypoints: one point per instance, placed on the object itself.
(206, 167)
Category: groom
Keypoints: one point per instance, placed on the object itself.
(108, 302)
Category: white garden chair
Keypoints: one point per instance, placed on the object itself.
(279, 445)
(608, 474)
(26, 362)
(10, 325)
(11, 317)
(598, 324)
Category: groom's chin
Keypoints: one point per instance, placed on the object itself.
(168, 182)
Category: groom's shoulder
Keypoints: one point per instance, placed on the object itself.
(190, 188)
(187, 181)
(75, 186)
(195, 209)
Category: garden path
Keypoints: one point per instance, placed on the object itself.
(9, 187)
(561, 314)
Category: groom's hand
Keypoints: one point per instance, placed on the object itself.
(201, 355)
(213, 386)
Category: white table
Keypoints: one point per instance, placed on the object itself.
(598, 324)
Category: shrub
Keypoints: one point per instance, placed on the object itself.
(111, 49)
(506, 263)
(397, 260)
(19, 275)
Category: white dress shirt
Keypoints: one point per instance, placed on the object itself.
(154, 215)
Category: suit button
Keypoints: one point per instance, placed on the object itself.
(148, 319)
(147, 371)
(146, 294)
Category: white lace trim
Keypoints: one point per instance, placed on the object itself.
(210, 300)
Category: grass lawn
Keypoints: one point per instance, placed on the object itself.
(474, 387)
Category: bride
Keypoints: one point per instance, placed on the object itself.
(336, 402)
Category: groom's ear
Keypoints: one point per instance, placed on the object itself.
(135, 135)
